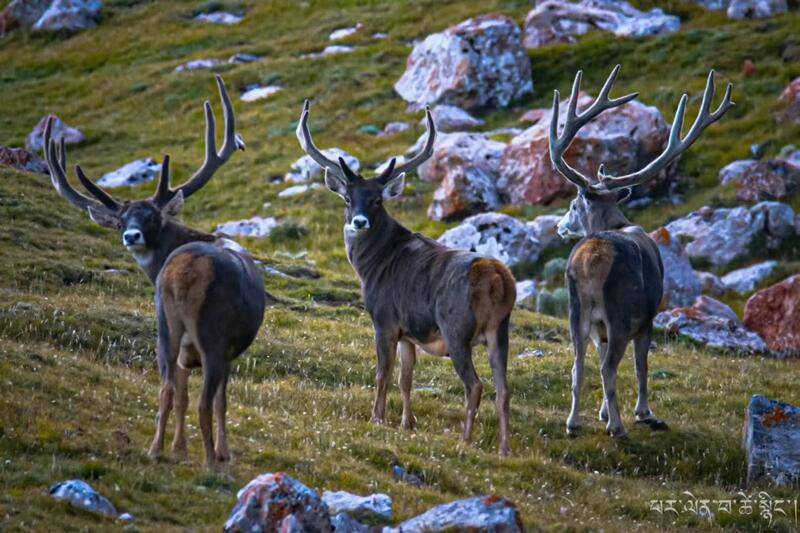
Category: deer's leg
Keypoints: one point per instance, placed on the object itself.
(213, 373)
(386, 345)
(617, 342)
(602, 348)
(168, 345)
(221, 452)
(461, 354)
(579, 329)
(497, 342)
(179, 450)
(643, 414)
(408, 358)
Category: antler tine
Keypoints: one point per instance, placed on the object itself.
(422, 156)
(96, 191)
(308, 146)
(676, 145)
(162, 195)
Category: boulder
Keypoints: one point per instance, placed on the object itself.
(22, 159)
(681, 283)
(393, 128)
(259, 93)
(478, 63)
(374, 508)
(562, 21)
(70, 15)
(344, 523)
(131, 174)
(343, 33)
(256, 226)
(197, 64)
(450, 118)
(219, 17)
(306, 169)
(278, 502)
(526, 294)
(711, 323)
(467, 164)
(494, 235)
(81, 495)
(544, 228)
(22, 13)
(774, 313)
(746, 280)
(482, 513)
(35, 141)
(711, 284)
(762, 180)
(772, 442)
(790, 101)
(331, 50)
(624, 139)
(756, 9)
(241, 58)
(735, 171)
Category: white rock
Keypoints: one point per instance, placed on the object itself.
(241, 58)
(526, 293)
(544, 229)
(343, 33)
(331, 50)
(259, 93)
(733, 172)
(756, 9)
(131, 174)
(452, 118)
(748, 279)
(393, 128)
(219, 17)
(305, 168)
(376, 507)
(296, 190)
(494, 235)
(35, 140)
(253, 227)
(197, 64)
(681, 283)
(70, 15)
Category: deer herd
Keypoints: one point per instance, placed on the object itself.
(210, 297)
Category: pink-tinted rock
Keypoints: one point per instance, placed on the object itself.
(479, 62)
(762, 180)
(22, 159)
(624, 139)
(774, 313)
(71, 135)
(450, 118)
(790, 101)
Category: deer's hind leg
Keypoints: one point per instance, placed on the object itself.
(642, 412)
(497, 343)
(408, 358)
(170, 331)
(221, 452)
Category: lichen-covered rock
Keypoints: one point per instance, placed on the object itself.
(756, 9)
(449, 118)
(256, 226)
(681, 283)
(35, 140)
(306, 169)
(70, 15)
(774, 312)
(495, 235)
(344, 523)
(790, 101)
(762, 180)
(544, 228)
(746, 280)
(562, 21)
(375, 507)
(711, 323)
(278, 502)
(479, 62)
(81, 495)
(483, 513)
(131, 174)
(624, 139)
(711, 284)
(22, 13)
(735, 171)
(22, 159)
(772, 442)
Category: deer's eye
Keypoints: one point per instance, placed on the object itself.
(376, 200)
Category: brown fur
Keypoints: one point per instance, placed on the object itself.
(493, 293)
(591, 263)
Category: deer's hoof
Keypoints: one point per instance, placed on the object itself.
(654, 423)
(504, 450)
(409, 423)
(617, 432)
(573, 431)
(222, 456)
(378, 421)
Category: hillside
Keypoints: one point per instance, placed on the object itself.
(78, 382)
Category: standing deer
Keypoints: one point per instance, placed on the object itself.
(615, 273)
(210, 296)
(417, 291)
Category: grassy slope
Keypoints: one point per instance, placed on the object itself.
(77, 380)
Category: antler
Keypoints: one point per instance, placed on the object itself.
(308, 146)
(214, 160)
(424, 154)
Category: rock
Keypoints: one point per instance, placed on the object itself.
(376, 507)
(494, 235)
(478, 63)
(259, 93)
(131, 174)
(449, 118)
(219, 17)
(296, 190)
(555, 303)
(526, 294)
(197, 64)
(747, 279)
(343, 33)
(530, 354)
(380, 36)
(483, 513)
(790, 100)
(767, 180)
(344, 523)
(71, 135)
(711, 284)
(734, 172)
(22, 13)
(544, 229)
(270, 499)
(774, 313)
(242, 58)
(681, 283)
(713, 4)
(772, 442)
(331, 50)
(756, 9)
(126, 517)
(306, 169)
(722, 235)
(22, 159)
(256, 226)
(467, 164)
(712, 323)
(393, 128)
(562, 21)
(624, 139)
(401, 474)
(81, 495)
(70, 15)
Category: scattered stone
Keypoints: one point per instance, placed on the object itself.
(306, 169)
(478, 63)
(380, 36)
(219, 17)
(526, 294)
(756, 9)
(35, 140)
(561, 21)
(343, 33)
(483, 513)
(270, 499)
(790, 99)
(393, 128)
(126, 517)
(22, 159)
(624, 139)
(197, 64)
(70, 15)
(530, 354)
(331, 50)
(553, 303)
(544, 229)
(81, 495)
(495, 235)
(376, 507)
(681, 283)
(450, 118)
(242, 58)
(259, 93)
(747, 279)
(131, 174)
(711, 284)
(256, 226)
(296, 190)
(344, 523)
(772, 442)
(711, 323)
(774, 313)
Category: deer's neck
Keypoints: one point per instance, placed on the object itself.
(369, 252)
(172, 236)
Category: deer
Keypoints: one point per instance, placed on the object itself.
(209, 293)
(614, 273)
(419, 293)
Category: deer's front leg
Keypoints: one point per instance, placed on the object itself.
(386, 347)
(408, 358)
(165, 398)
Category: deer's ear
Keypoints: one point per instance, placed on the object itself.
(104, 217)
(335, 183)
(174, 207)
(624, 194)
(394, 187)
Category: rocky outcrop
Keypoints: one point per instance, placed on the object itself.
(562, 21)
(790, 101)
(681, 283)
(483, 513)
(60, 130)
(70, 15)
(746, 280)
(774, 313)
(756, 9)
(758, 181)
(478, 63)
(131, 174)
(495, 235)
(306, 169)
(449, 118)
(772, 442)
(624, 139)
(81, 495)
(711, 284)
(22, 159)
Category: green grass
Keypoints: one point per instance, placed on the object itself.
(78, 383)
